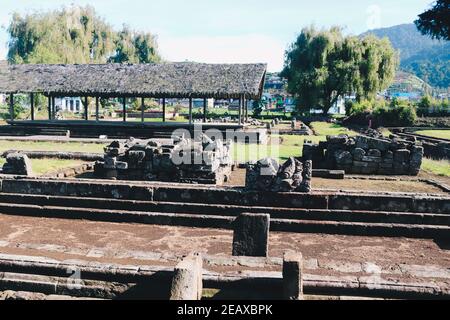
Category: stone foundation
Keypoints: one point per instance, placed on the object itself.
(366, 155)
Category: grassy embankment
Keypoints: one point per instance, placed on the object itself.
(439, 134)
(42, 166)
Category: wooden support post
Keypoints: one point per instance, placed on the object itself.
(142, 110)
(205, 107)
(11, 106)
(124, 110)
(240, 110)
(49, 108)
(86, 108)
(190, 110)
(246, 110)
(97, 107)
(32, 106)
(53, 108)
(164, 110)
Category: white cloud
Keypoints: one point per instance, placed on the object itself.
(249, 48)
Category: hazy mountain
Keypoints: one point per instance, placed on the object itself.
(426, 58)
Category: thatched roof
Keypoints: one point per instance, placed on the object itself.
(170, 80)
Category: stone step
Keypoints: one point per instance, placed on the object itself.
(183, 193)
(226, 210)
(112, 281)
(227, 222)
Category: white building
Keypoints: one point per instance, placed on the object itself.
(2, 98)
(69, 104)
(337, 109)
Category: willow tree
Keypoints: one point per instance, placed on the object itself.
(322, 66)
(73, 35)
(135, 47)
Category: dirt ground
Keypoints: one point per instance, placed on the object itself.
(408, 184)
(158, 245)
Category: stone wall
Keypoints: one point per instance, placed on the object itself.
(268, 175)
(206, 161)
(160, 192)
(366, 155)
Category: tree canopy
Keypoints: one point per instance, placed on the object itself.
(76, 35)
(323, 65)
(435, 22)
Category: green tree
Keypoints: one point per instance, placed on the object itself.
(323, 65)
(74, 35)
(258, 107)
(435, 22)
(135, 47)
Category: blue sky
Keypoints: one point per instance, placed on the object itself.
(231, 30)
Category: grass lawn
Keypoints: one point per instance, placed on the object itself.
(386, 132)
(440, 134)
(291, 146)
(439, 167)
(330, 129)
(51, 146)
(42, 166)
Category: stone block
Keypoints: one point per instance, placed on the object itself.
(120, 165)
(251, 235)
(378, 144)
(358, 154)
(374, 153)
(343, 157)
(362, 142)
(360, 164)
(402, 155)
(389, 155)
(385, 165)
(136, 155)
(19, 164)
(187, 281)
(293, 276)
(371, 159)
(110, 162)
(342, 139)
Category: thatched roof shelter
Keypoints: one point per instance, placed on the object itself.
(163, 80)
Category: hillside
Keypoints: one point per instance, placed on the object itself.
(407, 82)
(426, 58)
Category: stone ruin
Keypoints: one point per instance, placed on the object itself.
(300, 128)
(183, 161)
(269, 175)
(18, 164)
(366, 155)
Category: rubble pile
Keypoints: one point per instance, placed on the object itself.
(18, 164)
(268, 175)
(366, 155)
(185, 161)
